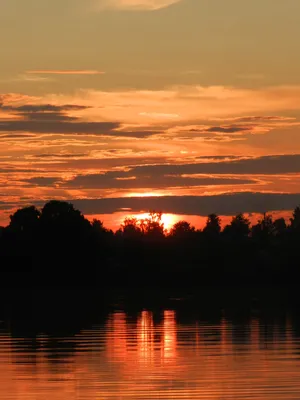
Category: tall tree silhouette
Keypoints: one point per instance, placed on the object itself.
(280, 227)
(20, 247)
(213, 226)
(264, 228)
(66, 243)
(25, 220)
(153, 226)
(182, 230)
(295, 220)
(61, 219)
(131, 228)
(239, 227)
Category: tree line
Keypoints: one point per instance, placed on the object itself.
(58, 246)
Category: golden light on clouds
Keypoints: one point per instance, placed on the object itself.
(137, 4)
(65, 72)
(101, 95)
(186, 104)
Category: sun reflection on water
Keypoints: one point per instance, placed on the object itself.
(169, 336)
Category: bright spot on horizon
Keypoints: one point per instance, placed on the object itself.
(145, 194)
(168, 220)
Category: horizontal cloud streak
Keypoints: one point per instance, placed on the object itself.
(28, 108)
(226, 204)
(136, 5)
(191, 105)
(277, 164)
(124, 180)
(65, 72)
(62, 127)
(51, 119)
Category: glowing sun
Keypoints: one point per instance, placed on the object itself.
(168, 220)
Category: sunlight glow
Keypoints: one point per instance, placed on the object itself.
(137, 4)
(168, 220)
(144, 194)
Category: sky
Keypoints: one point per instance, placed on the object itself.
(121, 106)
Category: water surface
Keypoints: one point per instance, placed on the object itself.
(155, 355)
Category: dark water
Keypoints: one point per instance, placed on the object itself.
(165, 354)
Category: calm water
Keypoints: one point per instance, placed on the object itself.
(156, 355)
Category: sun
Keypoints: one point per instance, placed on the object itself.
(168, 220)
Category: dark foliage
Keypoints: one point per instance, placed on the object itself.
(58, 246)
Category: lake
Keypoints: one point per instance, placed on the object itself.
(163, 353)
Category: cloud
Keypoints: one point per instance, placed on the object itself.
(103, 163)
(59, 126)
(41, 181)
(181, 107)
(13, 170)
(225, 204)
(266, 165)
(30, 78)
(261, 118)
(42, 108)
(136, 5)
(54, 119)
(42, 112)
(229, 129)
(16, 98)
(63, 127)
(188, 105)
(127, 180)
(65, 72)
(63, 155)
(159, 115)
(216, 172)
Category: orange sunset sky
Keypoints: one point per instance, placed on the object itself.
(121, 106)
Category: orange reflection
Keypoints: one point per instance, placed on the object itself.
(169, 336)
(135, 362)
(145, 335)
(117, 336)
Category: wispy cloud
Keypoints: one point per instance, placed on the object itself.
(30, 78)
(225, 204)
(65, 72)
(136, 4)
(186, 103)
(126, 180)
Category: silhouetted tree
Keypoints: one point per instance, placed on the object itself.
(59, 218)
(99, 231)
(65, 243)
(101, 241)
(239, 227)
(213, 226)
(153, 226)
(295, 220)
(63, 213)
(25, 220)
(131, 229)
(20, 245)
(59, 246)
(280, 227)
(182, 230)
(264, 225)
(98, 226)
